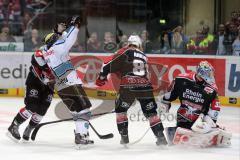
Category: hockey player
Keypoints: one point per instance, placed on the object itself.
(199, 109)
(131, 63)
(68, 84)
(39, 92)
(39, 89)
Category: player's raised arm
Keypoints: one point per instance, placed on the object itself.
(72, 33)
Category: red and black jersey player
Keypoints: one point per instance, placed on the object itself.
(38, 97)
(131, 63)
(197, 93)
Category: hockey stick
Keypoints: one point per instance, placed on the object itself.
(139, 139)
(107, 136)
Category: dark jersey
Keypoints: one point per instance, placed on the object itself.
(195, 97)
(131, 65)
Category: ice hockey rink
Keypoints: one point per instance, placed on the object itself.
(56, 141)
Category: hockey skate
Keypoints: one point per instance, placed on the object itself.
(27, 132)
(13, 132)
(161, 140)
(158, 132)
(82, 140)
(124, 140)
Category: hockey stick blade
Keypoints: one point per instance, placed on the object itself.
(107, 136)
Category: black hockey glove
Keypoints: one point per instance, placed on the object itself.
(75, 21)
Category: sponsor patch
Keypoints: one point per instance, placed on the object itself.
(208, 90)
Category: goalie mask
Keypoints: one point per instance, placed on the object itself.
(206, 71)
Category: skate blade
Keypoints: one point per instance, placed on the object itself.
(126, 146)
(163, 146)
(83, 146)
(25, 141)
(9, 135)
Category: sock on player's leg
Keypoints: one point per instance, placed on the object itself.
(21, 117)
(122, 124)
(157, 128)
(35, 120)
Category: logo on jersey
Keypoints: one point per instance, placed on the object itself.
(48, 53)
(125, 105)
(33, 93)
(208, 90)
(193, 96)
(49, 98)
(150, 106)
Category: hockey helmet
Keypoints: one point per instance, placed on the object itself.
(206, 71)
(59, 28)
(50, 39)
(135, 40)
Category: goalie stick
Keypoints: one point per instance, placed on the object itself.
(107, 136)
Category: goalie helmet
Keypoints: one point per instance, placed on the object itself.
(135, 40)
(206, 71)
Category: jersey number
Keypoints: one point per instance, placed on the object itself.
(139, 67)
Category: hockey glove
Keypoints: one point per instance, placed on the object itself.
(75, 21)
(101, 81)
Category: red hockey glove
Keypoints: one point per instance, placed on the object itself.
(101, 81)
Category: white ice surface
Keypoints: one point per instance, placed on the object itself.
(56, 141)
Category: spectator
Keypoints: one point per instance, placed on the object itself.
(26, 19)
(165, 43)
(236, 45)
(193, 45)
(231, 34)
(108, 37)
(234, 18)
(10, 14)
(180, 30)
(77, 47)
(177, 43)
(33, 42)
(123, 41)
(5, 35)
(109, 45)
(202, 43)
(208, 38)
(146, 43)
(219, 40)
(93, 45)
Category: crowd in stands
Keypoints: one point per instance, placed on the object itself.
(16, 20)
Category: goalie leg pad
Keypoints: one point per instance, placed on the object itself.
(189, 138)
(224, 138)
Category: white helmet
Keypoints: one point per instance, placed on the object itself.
(135, 40)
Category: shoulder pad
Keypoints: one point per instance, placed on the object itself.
(190, 76)
(122, 50)
(38, 53)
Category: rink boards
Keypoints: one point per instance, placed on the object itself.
(14, 69)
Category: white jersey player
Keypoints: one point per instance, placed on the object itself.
(68, 84)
